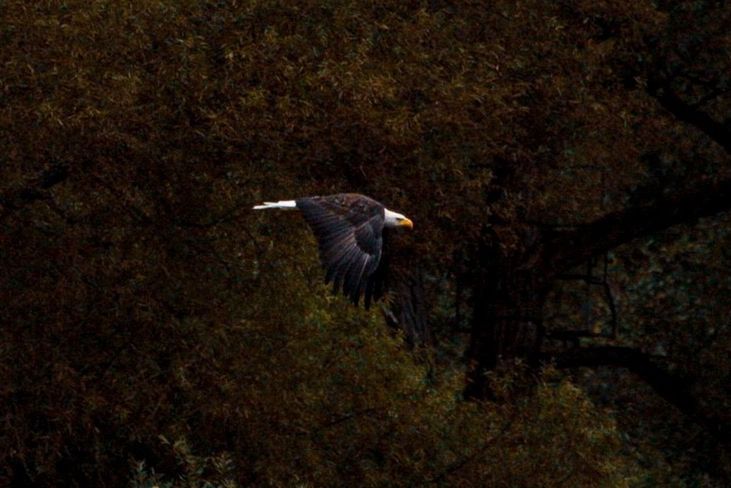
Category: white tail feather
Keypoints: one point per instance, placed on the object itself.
(286, 204)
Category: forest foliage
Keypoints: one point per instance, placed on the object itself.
(156, 332)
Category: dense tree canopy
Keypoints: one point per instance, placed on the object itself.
(561, 314)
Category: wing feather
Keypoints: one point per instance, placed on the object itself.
(339, 281)
(348, 228)
(360, 282)
(352, 276)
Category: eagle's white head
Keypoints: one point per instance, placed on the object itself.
(395, 219)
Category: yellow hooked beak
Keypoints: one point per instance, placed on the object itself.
(406, 223)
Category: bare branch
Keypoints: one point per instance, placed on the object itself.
(566, 249)
(685, 112)
(34, 191)
(671, 387)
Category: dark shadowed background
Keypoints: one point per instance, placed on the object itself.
(564, 298)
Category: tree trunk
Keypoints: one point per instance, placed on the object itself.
(506, 321)
(510, 290)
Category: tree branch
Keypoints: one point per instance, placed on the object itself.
(717, 131)
(672, 388)
(33, 192)
(566, 249)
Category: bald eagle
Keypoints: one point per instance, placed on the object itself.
(349, 230)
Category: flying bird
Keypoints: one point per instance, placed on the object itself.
(349, 230)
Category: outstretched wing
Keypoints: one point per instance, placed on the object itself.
(348, 228)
